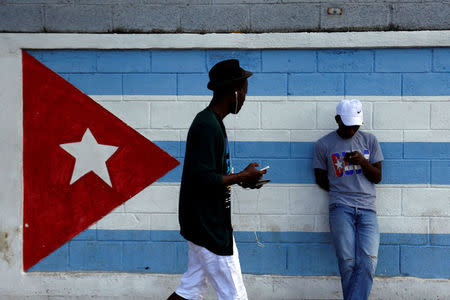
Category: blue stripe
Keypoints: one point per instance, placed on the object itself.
(283, 253)
(371, 72)
(291, 162)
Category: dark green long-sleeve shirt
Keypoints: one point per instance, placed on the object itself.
(204, 207)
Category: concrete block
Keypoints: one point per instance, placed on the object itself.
(145, 18)
(211, 18)
(68, 61)
(97, 84)
(123, 235)
(440, 172)
(273, 200)
(248, 59)
(312, 260)
(267, 84)
(302, 149)
(178, 61)
(430, 136)
(57, 261)
(420, 16)
(440, 115)
(308, 135)
(294, 115)
(403, 224)
(161, 135)
(401, 115)
(388, 261)
(424, 202)
(149, 84)
(164, 222)
(172, 115)
(393, 150)
(373, 84)
(123, 61)
(356, 17)
(322, 224)
(404, 239)
(86, 255)
(270, 259)
(157, 257)
(403, 60)
(124, 221)
(21, 18)
(307, 200)
(431, 262)
(424, 150)
(301, 223)
(295, 17)
(262, 150)
(193, 84)
(246, 222)
(326, 111)
(387, 136)
(345, 61)
(406, 172)
(79, 18)
(289, 61)
(441, 60)
(155, 199)
(315, 84)
(439, 225)
(425, 84)
(135, 114)
(262, 135)
(389, 201)
(247, 118)
(87, 235)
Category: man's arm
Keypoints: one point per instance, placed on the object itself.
(322, 179)
(249, 176)
(371, 171)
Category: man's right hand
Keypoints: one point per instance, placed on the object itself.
(250, 175)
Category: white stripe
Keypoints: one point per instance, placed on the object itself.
(207, 98)
(281, 207)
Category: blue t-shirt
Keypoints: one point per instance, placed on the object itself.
(348, 185)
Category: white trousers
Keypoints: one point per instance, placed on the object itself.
(223, 272)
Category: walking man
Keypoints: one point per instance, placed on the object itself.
(204, 207)
(347, 164)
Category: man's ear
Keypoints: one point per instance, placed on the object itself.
(338, 118)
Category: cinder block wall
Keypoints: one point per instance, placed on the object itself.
(281, 229)
(201, 16)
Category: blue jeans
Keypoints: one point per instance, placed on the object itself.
(356, 238)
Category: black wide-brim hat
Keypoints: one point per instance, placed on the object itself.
(226, 73)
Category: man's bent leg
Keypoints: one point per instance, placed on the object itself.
(224, 274)
(193, 282)
(342, 227)
(368, 239)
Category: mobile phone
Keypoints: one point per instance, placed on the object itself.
(261, 182)
(348, 154)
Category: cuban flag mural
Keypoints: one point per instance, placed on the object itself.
(105, 216)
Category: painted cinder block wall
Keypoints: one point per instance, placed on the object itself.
(281, 229)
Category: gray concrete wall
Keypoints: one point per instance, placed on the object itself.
(206, 16)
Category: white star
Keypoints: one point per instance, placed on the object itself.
(90, 156)
(338, 163)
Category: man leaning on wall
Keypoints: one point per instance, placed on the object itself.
(205, 204)
(347, 164)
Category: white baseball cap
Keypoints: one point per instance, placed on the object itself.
(350, 111)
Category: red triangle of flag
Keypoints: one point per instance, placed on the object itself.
(59, 200)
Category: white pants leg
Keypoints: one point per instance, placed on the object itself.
(223, 272)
